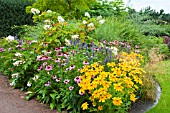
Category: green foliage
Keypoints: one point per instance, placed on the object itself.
(13, 13)
(68, 8)
(105, 8)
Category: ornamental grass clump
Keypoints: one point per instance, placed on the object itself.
(111, 87)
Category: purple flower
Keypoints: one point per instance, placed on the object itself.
(66, 81)
(71, 88)
(49, 68)
(29, 42)
(47, 84)
(58, 79)
(86, 63)
(57, 59)
(104, 41)
(128, 46)
(121, 43)
(8, 49)
(2, 49)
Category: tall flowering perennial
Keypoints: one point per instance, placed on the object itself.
(113, 84)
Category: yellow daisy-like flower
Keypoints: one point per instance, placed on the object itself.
(117, 101)
(102, 98)
(112, 64)
(118, 87)
(133, 97)
(84, 106)
(100, 108)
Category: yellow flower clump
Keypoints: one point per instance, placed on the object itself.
(112, 81)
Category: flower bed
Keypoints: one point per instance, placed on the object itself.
(69, 70)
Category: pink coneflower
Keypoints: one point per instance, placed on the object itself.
(9, 49)
(54, 77)
(67, 69)
(39, 68)
(66, 55)
(136, 46)
(96, 49)
(128, 46)
(104, 41)
(60, 54)
(63, 64)
(116, 42)
(72, 67)
(44, 64)
(57, 49)
(48, 83)
(137, 51)
(57, 59)
(77, 79)
(121, 43)
(49, 68)
(29, 42)
(71, 88)
(45, 44)
(61, 47)
(66, 81)
(58, 79)
(86, 63)
(48, 52)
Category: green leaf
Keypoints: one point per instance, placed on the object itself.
(58, 107)
(53, 95)
(52, 106)
(69, 107)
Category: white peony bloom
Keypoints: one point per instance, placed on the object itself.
(49, 11)
(10, 38)
(60, 19)
(114, 50)
(29, 84)
(75, 37)
(18, 54)
(87, 14)
(84, 22)
(15, 75)
(99, 17)
(102, 21)
(90, 25)
(35, 11)
(67, 42)
(47, 27)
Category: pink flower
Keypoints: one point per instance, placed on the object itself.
(49, 68)
(136, 46)
(104, 41)
(86, 63)
(44, 64)
(72, 67)
(54, 77)
(47, 84)
(45, 44)
(57, 59)
(66, 81)
(77, 79)
(137, 51)
(57, 49)
(58, 79)
(60, 54)
(71, 88)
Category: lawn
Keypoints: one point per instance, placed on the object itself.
(163, 76)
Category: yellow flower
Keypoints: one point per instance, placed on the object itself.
(112, 64)
(84, 106)
(133, 97)
(117, 101)
(102, 98)
(118, 87)
(100, 108)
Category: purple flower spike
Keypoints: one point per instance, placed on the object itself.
(106, 60)
(49, 68)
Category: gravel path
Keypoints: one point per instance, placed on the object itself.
(12, 100)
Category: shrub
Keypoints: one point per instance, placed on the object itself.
(13, 13)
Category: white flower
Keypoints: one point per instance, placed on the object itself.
(10, 38)
(35, 11)
(60, 19)
(46, 27)
(99, 17)
(18, 62)
(75, 37)
(29, 84)
(87, 14)
(102, 21)
(12, 83)
(49, 11)
(90, 25)
(15, 75)
(47, 21)
(114, 50)
(34, 41)
(18, 54)
(84, 22)
(67, 42)
(35, 77)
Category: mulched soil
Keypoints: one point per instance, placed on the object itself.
(12, 101)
